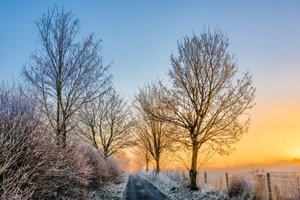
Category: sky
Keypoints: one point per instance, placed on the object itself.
(139, 37)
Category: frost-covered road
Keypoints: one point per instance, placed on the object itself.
(140, 189)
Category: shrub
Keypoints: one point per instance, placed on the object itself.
(238, 187)
(18, 160)
(31, 165)
(72, 172)
(63, 174)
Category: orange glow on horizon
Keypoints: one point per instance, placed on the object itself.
(274, 136)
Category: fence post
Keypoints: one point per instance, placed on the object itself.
(298, 185)
(205, 178)
(269, 186)
(226, 178)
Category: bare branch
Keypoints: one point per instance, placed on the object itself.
(63, 73)
(208, 101)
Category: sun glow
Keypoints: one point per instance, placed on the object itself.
(274, 136)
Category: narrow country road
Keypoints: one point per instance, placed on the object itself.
(140, 189)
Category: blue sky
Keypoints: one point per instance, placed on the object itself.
(139, 36)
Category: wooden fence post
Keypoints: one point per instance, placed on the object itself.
(205, 178)
(226, 178)
(269, 186)
(298, 186)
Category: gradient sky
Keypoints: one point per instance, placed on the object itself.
(139, 36)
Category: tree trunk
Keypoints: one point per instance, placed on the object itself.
(94, 138)
(64, 139)
(61, 139)
(58, 139)
(147, 166)
(58, 128)
(157, 165)
(105, 153)
(59, 121)
(193, 170)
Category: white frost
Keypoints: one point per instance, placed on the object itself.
(175, 190)
(112, 191)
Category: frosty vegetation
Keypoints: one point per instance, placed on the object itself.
(207, 107)
(32, 166)
(178, 190)
(61, 132)
(114, 191)
(41, 155)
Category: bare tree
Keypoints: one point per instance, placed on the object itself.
(18, 158)
(65, 74)
(208, 101)
(106, 124)
(141, 151)
(154, 135)
(30, 165)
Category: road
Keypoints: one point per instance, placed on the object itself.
(140, 189)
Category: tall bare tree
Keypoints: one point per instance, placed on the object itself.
(65, 74)
(106, 124)
(141, 151)
(153, 134)
(208, 100)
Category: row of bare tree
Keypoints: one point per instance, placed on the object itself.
(206, 108)
(73, 87)
(106, 124)
(31, 165)
(68, 85)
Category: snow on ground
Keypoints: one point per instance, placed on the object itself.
(174, 190)
(113, 191)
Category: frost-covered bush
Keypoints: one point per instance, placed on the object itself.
(18, 159)
(178, 191)
(31, 165)
(103, 171)
(112, 191)
(73, 173)
(65, 173)
(238, 187)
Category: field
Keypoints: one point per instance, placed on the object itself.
(283, 182)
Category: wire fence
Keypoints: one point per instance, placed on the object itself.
(269, 186)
